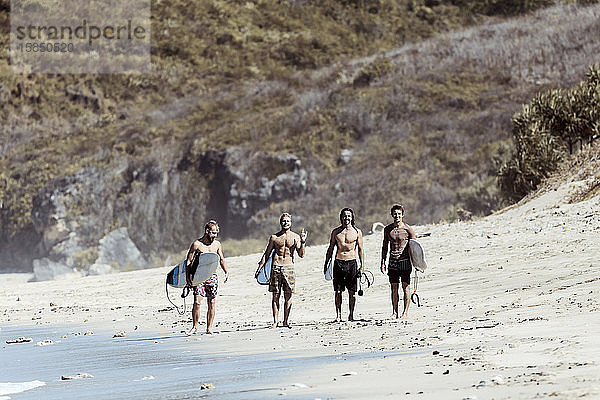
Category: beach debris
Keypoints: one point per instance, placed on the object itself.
(119, 334)
(78, 376)
(20, 339)
(145, 378)
(482, 384)
(88, 333)
(299, 385)
(350, 373)
(446, 372)
(52, 304)
(207, 386)
(498, 380)
(46, 342)
(470, 398)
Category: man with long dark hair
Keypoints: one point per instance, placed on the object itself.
(349, 241)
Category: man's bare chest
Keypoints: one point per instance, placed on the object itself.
(284, 241)
(398, 233)
(346, 237)
(212, 248)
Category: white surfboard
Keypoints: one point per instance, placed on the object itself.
(205, 265)
(329, 270)
(264, 275)
(417, 257)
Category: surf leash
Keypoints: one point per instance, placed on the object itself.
(365, 277)
(183, 295)
(415, 297)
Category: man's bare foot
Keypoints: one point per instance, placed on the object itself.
(394, 316)
(286, 325)
(274, 325)
(350, 317)
(192, 331)
(404, 316)
(208, 332)
(338, 318)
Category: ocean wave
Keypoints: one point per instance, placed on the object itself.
(17, 387)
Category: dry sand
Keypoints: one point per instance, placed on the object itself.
(510, 309)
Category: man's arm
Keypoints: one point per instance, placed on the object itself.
(265, 256)
(411, 232)
(361, 251)
(384, 248)
(329, 253)
(222, 261)
(300, 249)
(189, 260)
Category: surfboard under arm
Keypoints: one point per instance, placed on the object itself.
(205, 264)
(329, 270)
(264, 274)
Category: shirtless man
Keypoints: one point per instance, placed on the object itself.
(208, 243)
(283, 277)
(348, 239)
(395, 236)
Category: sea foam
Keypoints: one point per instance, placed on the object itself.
(17, 387)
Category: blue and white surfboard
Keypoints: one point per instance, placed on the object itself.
(205, 265)
(264, 275)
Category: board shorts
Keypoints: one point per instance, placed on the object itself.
(399, 270)
(283, 278)
(345, 273)
(208, 288)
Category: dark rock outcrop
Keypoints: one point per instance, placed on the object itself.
(151, 206)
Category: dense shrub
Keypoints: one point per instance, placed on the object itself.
(546, 131)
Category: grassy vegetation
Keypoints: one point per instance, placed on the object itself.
(424, 105)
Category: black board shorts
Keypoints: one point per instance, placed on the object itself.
(399, 270)
(345, 274)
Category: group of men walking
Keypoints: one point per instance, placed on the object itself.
(346, 241)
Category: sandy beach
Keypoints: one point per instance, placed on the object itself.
(509, 310)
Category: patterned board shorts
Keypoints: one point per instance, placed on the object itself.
(282, 278)
(208, 288)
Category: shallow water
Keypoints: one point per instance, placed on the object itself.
(149, 366)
